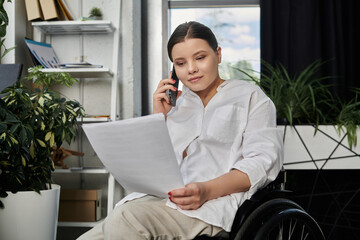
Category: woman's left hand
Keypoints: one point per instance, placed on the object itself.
(191, 197)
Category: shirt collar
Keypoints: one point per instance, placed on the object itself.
(221, 86)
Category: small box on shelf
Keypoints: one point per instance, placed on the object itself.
(80, 205)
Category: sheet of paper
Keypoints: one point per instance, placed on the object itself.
(138, 152)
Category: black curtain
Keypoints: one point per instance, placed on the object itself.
(295, 33)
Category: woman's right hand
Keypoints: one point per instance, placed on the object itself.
(161, 102)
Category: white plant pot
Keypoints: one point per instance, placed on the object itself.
(29, 215)
(326, 150)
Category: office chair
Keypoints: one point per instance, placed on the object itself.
(9, 74)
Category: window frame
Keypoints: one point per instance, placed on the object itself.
(183, 4)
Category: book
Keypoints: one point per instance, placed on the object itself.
(78, 65)
(65, 10)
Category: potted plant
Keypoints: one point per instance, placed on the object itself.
(321, 154)
(95, 13)
(305, 102)
(31, 123)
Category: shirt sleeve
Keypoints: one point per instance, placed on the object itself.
(260, 155)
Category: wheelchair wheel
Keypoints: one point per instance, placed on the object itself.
(290, 224)
(261, 215)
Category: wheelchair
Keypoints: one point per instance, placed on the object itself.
(268, 214)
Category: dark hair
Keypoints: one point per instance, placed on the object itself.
(191, 30)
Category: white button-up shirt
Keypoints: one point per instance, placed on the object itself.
(236, 130)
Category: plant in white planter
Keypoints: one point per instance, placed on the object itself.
(319, 122)
(306, 99)
(31, 123)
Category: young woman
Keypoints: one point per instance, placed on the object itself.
(226, 143)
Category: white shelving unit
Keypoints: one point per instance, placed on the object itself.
(83, 72)
(85, 28)
(74, 27)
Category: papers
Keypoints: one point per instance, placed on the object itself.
(138, 153)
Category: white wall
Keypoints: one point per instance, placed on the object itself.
(16, 31)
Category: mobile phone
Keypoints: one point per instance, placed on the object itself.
(170, 93)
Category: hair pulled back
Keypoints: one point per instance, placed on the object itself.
(190, 30)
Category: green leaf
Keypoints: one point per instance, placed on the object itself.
(23, 161)
(14, 128)
(7, 50)
(11, 102)
(52, 139)
(71, 110)
(23, 134)
(41, 143)
(13, 140)
(48, 136)
(39, 109)
(3, 136)
(64, 118)
(48, 96)
(32, 150)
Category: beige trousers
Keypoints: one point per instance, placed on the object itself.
(149, 218)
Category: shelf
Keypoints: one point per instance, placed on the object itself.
(82, 72)
(79, 224)
(93, 119)
(82, 170)
(74, 27)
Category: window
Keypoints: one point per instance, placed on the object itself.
(237, 30)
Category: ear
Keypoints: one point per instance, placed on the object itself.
(218, 52)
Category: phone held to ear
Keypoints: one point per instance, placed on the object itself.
(173, 94)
